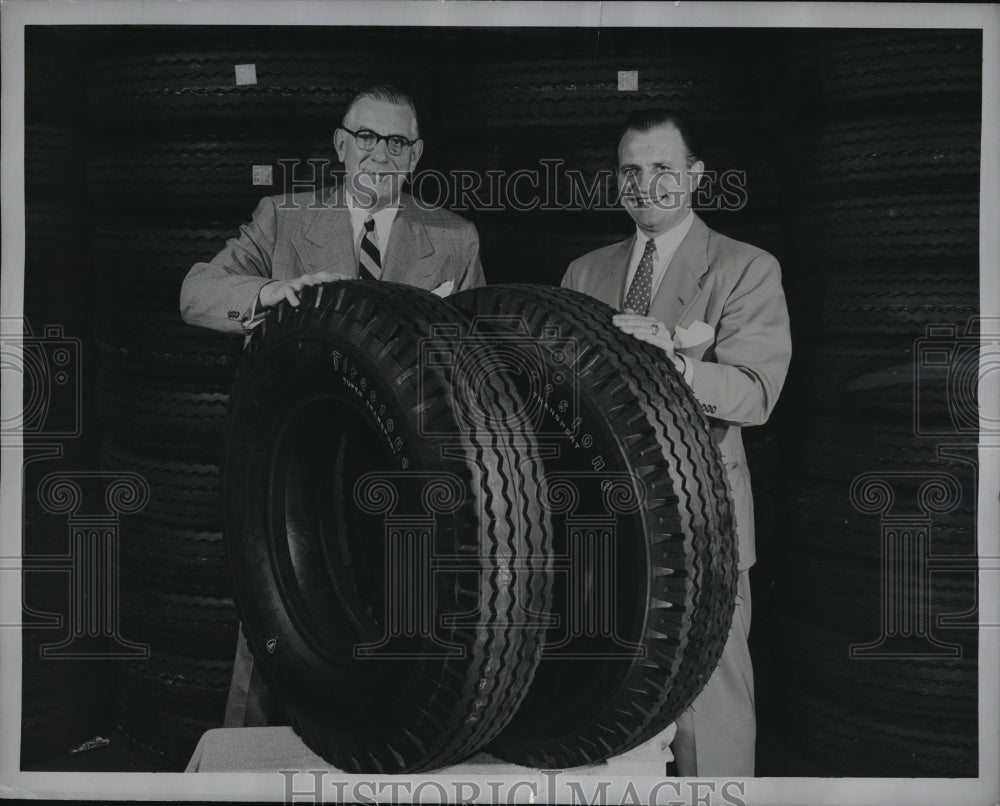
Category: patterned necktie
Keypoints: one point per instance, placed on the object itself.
(369, 262)
(640, 291)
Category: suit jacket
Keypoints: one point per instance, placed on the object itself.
(309, 232)
(737, 374)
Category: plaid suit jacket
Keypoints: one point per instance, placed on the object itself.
(738, 372)
(305, 233)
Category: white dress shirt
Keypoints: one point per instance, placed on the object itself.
(667, 244)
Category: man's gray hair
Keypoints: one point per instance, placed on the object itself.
(387, 94)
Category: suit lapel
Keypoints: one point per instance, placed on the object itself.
(409, 243)
(329, 239)
(682, 281)
(610, 287)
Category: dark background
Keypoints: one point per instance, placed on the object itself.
(861, 156)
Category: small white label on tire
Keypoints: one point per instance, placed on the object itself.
(628, 80)
(246, 73)
(262, 175)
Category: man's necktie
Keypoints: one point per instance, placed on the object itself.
(640, 291)
(369, 262)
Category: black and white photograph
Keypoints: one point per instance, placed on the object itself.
(458, 402)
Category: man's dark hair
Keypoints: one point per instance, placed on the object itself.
(645, 120)
(387, 94)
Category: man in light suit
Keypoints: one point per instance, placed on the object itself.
(716, 309)
(368, 228)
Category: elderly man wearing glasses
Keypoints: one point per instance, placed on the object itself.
(369, 228)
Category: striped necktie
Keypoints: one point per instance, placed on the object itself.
(369, 262)
(640, 291)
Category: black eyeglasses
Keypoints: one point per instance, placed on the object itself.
(367, 140)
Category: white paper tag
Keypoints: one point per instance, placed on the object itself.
(262, 175)
(246, 73)
(628, 80)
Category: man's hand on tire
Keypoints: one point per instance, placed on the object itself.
(647, 329)
(278, 290)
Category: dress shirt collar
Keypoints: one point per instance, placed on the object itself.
(666, 242)
(383, 221)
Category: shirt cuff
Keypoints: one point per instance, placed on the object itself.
(688, 370)
(256, 314)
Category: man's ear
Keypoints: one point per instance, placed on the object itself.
(416, 150)
(696, 170)
(340, 143)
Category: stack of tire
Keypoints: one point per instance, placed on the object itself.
(65, 700)
(188, 134)
(171, 179)
(882, 243)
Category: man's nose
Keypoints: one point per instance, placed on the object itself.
(381, 151)
(649, 181)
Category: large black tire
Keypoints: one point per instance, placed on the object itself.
(873, 303)
(848, 157)
(171, 556)
(144, 262)
(569, 80)
(182, 419)
(183, 495)
(154, 341)
(634, 462)
(332, 395)
(166, 702)
(863, 739)
(179, 623)
(185, 80)
(832, 74)
(929, 229)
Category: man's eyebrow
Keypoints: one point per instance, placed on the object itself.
(394, 134)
